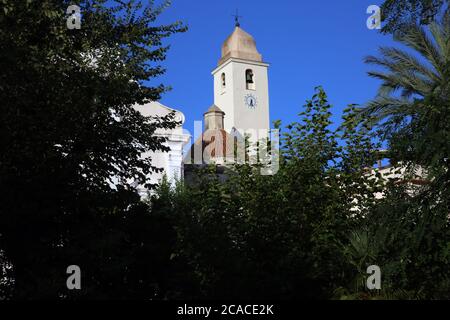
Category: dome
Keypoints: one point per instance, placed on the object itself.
(240, 45)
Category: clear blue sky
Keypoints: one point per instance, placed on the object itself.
(307, 43)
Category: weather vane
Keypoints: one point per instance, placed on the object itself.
(236, 18)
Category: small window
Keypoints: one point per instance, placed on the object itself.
(224, 82)
(249, 79)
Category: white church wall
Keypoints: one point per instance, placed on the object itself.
(172, 161)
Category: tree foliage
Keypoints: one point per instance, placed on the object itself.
(312, 229)
(309, 231)
(409, 227)
(413, 104)
(69, 130)
(280, 236)
(398, 15)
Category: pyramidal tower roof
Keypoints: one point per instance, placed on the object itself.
(214, 109)
(240, 45)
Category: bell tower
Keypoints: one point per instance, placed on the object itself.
(241, 86)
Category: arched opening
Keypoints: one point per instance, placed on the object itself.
(249, 79)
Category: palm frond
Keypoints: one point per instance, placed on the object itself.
(441, 35)
(414, 78)
(406, 81)
(405, 61)
(385, 106)
(417, 39)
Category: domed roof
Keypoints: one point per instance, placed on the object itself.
(220, 145)
(240, 45)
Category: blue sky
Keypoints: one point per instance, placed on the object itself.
(307, 43)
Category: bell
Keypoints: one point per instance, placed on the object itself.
(249, 77)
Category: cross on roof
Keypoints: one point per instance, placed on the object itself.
(236, 18)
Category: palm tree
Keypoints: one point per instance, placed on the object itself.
(413, 99)
(415, 78)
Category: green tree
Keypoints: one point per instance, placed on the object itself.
(68, 129)
(413, 104)
(407, 235)
(280, 236)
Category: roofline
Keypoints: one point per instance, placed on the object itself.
(176, 111)
(231, 59)
(164, 106)
(214, 111)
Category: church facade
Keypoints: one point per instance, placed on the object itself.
(176, 139)
(240, 109)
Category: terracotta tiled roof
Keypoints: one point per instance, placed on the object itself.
(218, 144)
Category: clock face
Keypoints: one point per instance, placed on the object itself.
(250, 101)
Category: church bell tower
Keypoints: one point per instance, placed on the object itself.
(241, 86)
